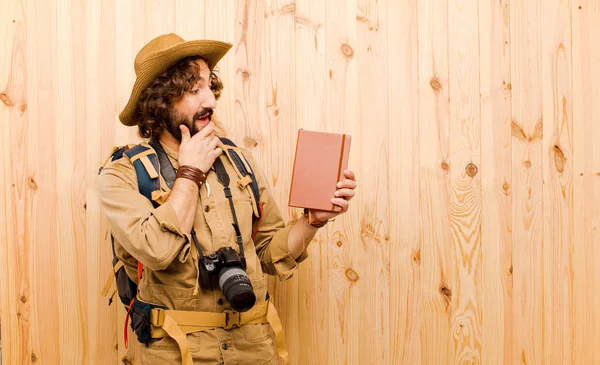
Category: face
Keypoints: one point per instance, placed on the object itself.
(196, 106)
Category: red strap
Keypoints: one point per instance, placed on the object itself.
(260, 207)
(127, 321)
(140, 268)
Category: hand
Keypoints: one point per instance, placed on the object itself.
(200, 150)
(343, 194)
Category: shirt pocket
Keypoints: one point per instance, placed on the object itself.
(243, 213)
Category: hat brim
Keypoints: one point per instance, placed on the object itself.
(211, 51)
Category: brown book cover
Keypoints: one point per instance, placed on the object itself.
(319, 164)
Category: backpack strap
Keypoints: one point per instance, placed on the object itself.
(146, 167)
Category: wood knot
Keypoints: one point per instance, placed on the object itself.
(597, 174)
(250, 142)
(508, 86)
(5, 99)
(273, 110)
(330, 74)
(347, 51)
(352, 275)
(246, 75)
(436, 85)
(417, 257)
(559, 159)
(445, 166)
(338, 243)
(33, 357)
(510, 270)
(386, 237)
(471, 169)
(23, 299)
(84, 206)
(32, 184)
(446, 292)
(527, 164)
(505, 187)
(23, 108)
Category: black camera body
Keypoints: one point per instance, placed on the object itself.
(224, 257)
(228, 267)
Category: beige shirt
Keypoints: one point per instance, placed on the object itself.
(170, 277)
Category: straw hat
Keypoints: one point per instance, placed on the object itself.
(161, 53)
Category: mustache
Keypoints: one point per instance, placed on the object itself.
(203, 114)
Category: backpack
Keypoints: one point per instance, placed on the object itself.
(148, 161)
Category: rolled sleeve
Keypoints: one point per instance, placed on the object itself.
(151, 235)
(272, 236)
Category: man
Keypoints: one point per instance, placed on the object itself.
(172, 103)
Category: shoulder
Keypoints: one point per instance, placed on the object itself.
(119, 169)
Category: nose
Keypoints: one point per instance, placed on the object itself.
(208, 100)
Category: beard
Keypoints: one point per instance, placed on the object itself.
(176, 119)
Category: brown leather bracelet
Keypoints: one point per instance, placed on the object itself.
(191, 173)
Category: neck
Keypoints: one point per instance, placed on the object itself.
(168, 140)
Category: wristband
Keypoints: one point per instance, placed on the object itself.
(191, 173)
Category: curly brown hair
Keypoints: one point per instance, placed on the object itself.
(155, 105)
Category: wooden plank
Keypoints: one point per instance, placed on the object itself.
(190, 18)
(496, 181)
(219, 21)
(69, 172)
(527, 171)
(586, 182)
(249, 53)
(465, 163)
(311, 114)
(372, 204)
(557, 147)
(41, 170)
(280, 93)
(344, 310)
(102, 329)
(403, 179)
(437, 265)
(15, 240)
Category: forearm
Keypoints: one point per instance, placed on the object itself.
(184, 199)
(300, 236)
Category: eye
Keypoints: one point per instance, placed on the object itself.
(194, 91)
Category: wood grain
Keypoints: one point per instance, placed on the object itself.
(527, 130)
(465, 163)
(557, 147)
(371, 145)
(437, 261)
(586, 183)
(403, 214)
(15, 240)
(496, 183)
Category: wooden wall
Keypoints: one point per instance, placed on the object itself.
(475, 234)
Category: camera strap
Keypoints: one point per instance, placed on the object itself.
(223, 178)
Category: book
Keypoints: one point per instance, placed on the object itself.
(319, 164)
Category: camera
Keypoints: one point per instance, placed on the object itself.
(229, 268)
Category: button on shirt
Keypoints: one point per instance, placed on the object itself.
(170, 277)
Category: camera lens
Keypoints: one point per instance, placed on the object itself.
(236, 287)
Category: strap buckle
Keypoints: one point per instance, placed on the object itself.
(232, 319)
(157, 317)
